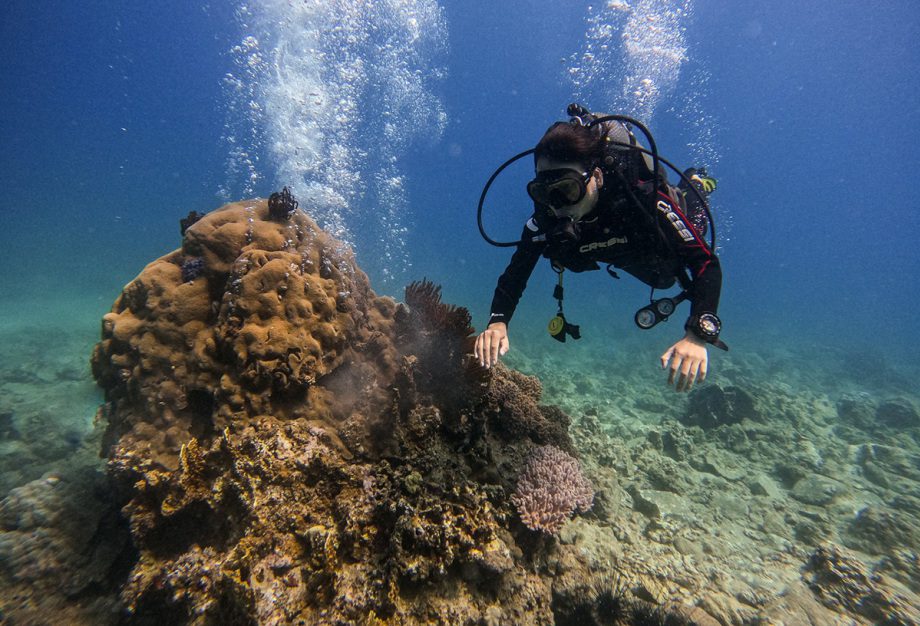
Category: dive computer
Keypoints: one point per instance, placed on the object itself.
(706, 326)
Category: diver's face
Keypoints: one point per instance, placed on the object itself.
(574, 177)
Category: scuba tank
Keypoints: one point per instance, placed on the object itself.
(621, 143)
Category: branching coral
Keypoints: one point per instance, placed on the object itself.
(550, 489)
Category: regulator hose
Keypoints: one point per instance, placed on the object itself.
(482, 199)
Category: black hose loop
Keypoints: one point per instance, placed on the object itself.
(656, 178)
(482, 199)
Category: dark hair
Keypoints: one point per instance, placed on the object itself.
(569, 142)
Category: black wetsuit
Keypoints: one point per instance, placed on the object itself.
(655, 249)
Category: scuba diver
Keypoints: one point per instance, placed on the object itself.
(601, 197)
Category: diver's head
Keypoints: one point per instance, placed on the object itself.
(567, 177)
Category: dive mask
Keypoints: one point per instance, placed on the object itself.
(559, 188)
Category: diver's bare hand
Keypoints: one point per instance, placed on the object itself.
(688, 361)
(492, 343)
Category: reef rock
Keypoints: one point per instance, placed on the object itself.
(290, 447)
(713, 406)
(817, 490)
(881, 532)
(843, 584)
(60, 539)
(857, 412)
(898, 413)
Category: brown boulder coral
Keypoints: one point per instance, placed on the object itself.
(290, 447)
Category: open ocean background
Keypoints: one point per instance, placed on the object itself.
(115, 118)
(386, 118)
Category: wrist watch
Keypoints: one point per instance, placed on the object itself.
(706, 326)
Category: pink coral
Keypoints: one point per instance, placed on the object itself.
(550, 489)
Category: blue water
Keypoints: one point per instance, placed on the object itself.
(117, 119)
(112, 118)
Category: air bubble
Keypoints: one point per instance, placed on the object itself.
(632, 54)
(376, 61)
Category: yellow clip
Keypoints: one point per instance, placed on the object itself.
(556, 325)
(708, 184)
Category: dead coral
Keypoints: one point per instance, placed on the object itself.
(60, 538)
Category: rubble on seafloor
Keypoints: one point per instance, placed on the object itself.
(285, 446)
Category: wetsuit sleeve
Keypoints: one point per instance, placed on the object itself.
(513, 281)
(695, 254)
